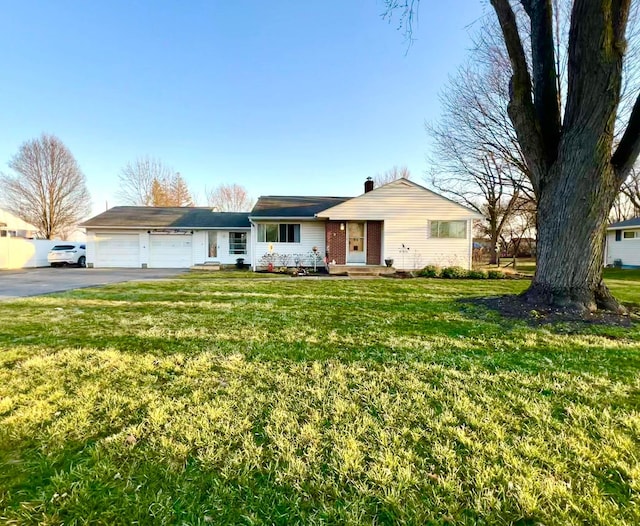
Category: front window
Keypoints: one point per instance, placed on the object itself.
(631, 234)
(237, 242)
(279, 233)
(449, 229)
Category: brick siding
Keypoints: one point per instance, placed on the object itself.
(336, 242)
(374, 242)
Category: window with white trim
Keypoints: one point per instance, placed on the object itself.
(279, 233)
(448, 229)
(237, 242)
(631, 234)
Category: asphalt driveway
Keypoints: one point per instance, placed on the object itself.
(36, 281)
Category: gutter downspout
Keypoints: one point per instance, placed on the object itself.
(254, 235)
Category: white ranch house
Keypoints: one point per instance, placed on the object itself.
(623, 244)
(402, 221)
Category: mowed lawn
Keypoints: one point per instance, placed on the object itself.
(206, 400)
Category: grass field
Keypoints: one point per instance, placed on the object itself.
(206, 400)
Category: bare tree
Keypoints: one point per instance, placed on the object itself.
(48, 188)
(136, 180)
(566, 134)
(631, 193)
(229, 198)
(149, 182)
(390, 175)
(476, 157)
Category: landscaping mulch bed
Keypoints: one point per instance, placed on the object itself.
(515, 306)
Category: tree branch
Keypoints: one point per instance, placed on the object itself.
(629, 147)
(545, 86)
(521, 109)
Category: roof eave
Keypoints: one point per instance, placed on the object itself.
(167, 226)
(280, 218)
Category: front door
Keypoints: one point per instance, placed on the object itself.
(213, 244)
(356, 242)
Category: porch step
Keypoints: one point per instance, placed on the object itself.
(209, 265)
(361, 270)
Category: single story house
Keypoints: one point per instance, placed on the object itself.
(166, 237)
(623, 244)
(13, 226)
(400, 221)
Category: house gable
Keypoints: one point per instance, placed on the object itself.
(398, 198)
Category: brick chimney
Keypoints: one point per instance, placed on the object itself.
(368, 185)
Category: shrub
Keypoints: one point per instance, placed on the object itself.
(477, 274)
(496, 274)
(284, 260)
(430, 271)
(454, 272)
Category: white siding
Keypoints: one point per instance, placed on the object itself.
(312, 234)
(628, 250)
(413, 232)
(406, 209)
(201, 247)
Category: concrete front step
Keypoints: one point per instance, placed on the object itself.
(361, 270)
(209, 265)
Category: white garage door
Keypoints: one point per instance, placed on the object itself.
(170, 251)
(117, 250)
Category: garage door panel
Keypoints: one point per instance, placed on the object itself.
(170, 251)
(117, 250)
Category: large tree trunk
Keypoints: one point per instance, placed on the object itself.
(493, 258)
(572, 169)
(572, 218)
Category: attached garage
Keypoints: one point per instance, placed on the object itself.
(166, 237)
(170, 251)
(117, 250)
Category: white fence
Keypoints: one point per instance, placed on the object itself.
(17, 252)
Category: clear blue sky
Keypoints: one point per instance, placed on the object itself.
(281, 96)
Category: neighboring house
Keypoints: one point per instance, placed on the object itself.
(623, 244)
(401, 220)
(13, 226)
(166, 237)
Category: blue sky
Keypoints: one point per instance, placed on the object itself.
(282, 96)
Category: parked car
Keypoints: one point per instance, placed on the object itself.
(67, 254)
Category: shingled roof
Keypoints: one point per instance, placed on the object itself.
(167, 217)
(293, 206)
(629, 223)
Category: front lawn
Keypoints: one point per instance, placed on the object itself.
(206, 400)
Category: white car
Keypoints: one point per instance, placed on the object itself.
(67, 254)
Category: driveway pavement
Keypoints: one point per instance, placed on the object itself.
(36, 281)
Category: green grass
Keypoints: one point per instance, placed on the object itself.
(204, 400)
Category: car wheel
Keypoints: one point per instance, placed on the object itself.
(82, 261)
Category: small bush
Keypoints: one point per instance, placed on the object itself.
(496, 274)
(477, 274)
(454, 272)
(430, 271)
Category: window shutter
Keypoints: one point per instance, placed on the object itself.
(428, 229)
(618, 235)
